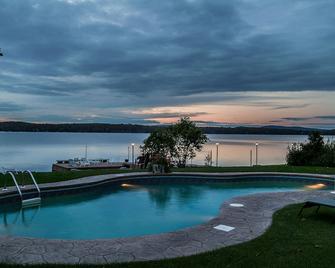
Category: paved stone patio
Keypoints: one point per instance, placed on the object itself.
(249, 221)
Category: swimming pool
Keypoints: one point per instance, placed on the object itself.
(132, 209)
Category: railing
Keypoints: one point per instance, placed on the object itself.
(34, 181)
(25, 202)
(15, 182)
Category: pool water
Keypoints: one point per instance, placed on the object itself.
(129, 210)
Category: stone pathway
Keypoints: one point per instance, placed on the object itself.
(249, 221)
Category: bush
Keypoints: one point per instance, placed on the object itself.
(313, 153)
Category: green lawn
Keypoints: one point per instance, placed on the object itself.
(267, 168)
(290, 242)
(45, 177)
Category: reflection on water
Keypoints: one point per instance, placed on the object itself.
(37, 151)
(19, 216)
(161, 196)
(128, 211)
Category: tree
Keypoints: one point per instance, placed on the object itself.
(176, 143)
(188, 138)
(159, 142)
(159, 147)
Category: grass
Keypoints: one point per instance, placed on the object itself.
(290, 242)
(267, 168)
(46, 177)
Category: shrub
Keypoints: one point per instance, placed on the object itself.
(313, 153)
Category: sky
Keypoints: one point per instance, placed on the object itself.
(223, 63)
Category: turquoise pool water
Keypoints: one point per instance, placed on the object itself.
(129, 210)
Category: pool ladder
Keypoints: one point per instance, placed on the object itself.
(25, 202)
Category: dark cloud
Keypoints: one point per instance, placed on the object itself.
(10, 107)
(171, 115)
(156, 53)
(322, 117)
(293, 106)
(297, 118)
(325, 117)
(204, 123)
(89, 119)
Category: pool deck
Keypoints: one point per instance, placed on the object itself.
(249, 222)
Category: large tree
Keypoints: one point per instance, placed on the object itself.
(177, 143)
(188, 138)
(159, 143)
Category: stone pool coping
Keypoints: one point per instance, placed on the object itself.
(249, 221)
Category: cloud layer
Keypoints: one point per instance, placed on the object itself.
(103, 60)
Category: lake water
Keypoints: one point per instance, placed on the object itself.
(37, 151)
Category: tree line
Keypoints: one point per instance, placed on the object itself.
(136, 128)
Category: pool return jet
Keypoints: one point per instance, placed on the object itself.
(26, 202)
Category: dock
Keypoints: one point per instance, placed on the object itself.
(83, 164)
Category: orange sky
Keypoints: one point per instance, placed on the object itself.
(271, 108)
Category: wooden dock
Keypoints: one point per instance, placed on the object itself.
(66, 165)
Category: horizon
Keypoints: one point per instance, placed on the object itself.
(222, 63)
(201, 125)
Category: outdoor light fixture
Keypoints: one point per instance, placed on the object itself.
(256, 153)
(132, 154)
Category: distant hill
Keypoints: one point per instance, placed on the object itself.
(130, 128)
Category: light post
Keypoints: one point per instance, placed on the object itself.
(251, 158)
(132, 155)
(217, 154)
(211, 158)
(256, 153)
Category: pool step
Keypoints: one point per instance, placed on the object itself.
(31, 202)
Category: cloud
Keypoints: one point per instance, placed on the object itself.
(204, 123)
(90, 119)
(293, 106)
(150, 53)
(323, 117)
(159, 115)
(10, 107)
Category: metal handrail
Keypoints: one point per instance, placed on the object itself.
(11, 173)
(15, 182)
(34, 181)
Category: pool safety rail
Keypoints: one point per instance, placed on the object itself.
(26, 202)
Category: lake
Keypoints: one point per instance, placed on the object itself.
(37, 151)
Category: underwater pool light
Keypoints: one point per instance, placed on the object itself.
(316, 186)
